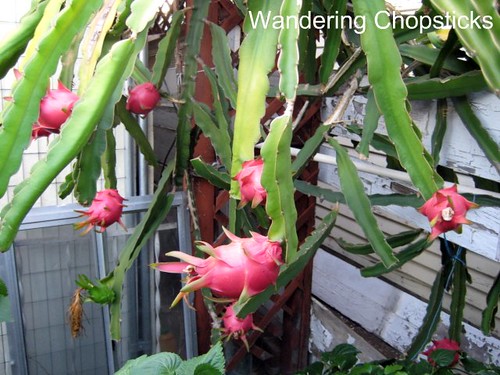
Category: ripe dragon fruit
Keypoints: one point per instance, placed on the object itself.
(55, 108)
(446, 344)
(249, 179)
(235, 327)
(142, 98)
(446, 211)
(240, 269)
(106, 209)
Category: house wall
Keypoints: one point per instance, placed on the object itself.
(392, 308)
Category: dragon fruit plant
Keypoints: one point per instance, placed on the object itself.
(106, 209)
(444, 344)
(446, 211)
(240, 269)
(143, 98)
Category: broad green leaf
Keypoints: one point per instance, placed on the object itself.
(307, 47)
(156, 213)
(134, 129)
(209, 173)
(423, 88)
(13, 44)
(370, 124)
(74, 136)
(394, 241)
(478, 132)
(288, 60)
(481, 42)
(20, 114)
(221, 55)
(289, 271)
(488, 315)
(390, 92)
(332, 42)
(214, 357)
(257, 58)
(193, 42)
(404, 256)
(277, 180)
(358, 202)
(160, 363)
(343, 357)
(166, 49)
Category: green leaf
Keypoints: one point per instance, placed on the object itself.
(439, 129)
(14, 44)
(384, 64)
(432, 315)
(209, 173)
(134, 129)
(288, 60)
(206, 369)
(370, 124)
(141, 73)
(5, 315)
(394, 241)
(156, 213)
(488, 316)
(402, 257)
(253, 83)
(193, 42)
(74, 136)
(143, 12)
(277, 180)
(309, 150)
(458, 296)
(358, 202)
(343, 357)
(221, 55)
(161, 363)
(479, 41)
(478, 132)
(20, 114)
(429, 56)
(214, 357)
(375, 199)
(332, 42)
(289, 271)
(166, 48)
(443, 357)
(423, 88)
(219, 137)
(108, 161)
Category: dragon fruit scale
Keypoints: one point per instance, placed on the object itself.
(106, 209)
(249, 180)
(242, 268)
(56, 106)
(142, 98)
(446, 211)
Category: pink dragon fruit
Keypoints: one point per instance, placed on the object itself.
(446, 211)
(240, 269)
(235, 327)
(106, 209)
(142, 98)
(249, 179)
(55, 108)
(446, 344)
